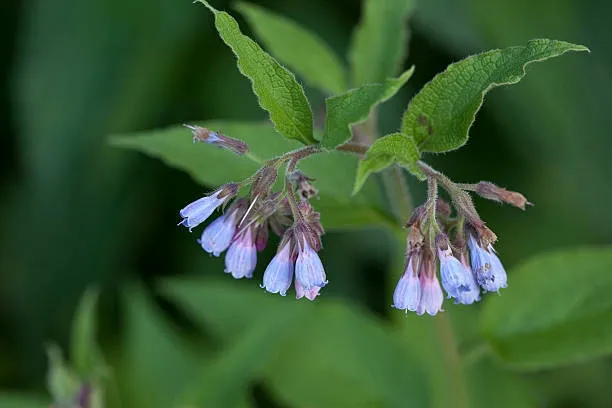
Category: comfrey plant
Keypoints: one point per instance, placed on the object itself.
(449, 247)
(243, 229)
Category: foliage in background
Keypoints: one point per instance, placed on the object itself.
(249, 338)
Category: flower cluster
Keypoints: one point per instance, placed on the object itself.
(461, 245)
(469, 266)
(242, 229)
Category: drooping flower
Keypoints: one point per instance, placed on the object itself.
(431, 296)
(309, 271)
(241, 257)
(197, 212)
(217, 237)
(407, 294)
(431, 292)
(310, 294)
(498, 271)
(457, 281)
(201, 134)
(487, 267)
(279, 272)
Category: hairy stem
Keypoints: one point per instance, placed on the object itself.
(444, 329)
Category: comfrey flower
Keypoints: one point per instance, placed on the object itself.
(279, 272)
(457, 281)
(309, 270)
(487, 267)
(201, 134)
(431, 295)
(407, 294)
(310, 294)
(197, 212)
(217, 237)
(241, 257)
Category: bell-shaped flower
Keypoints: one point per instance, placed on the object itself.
(457, 281)
(310, 294)
(309, 271)
(279, 272)
(431, 295)
(407, 294)
(241, 257)
(217, 237)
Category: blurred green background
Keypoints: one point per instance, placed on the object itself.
(76, 212)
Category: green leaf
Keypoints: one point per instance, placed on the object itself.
(334, 171)
(554, 311)
(62, 383)
(345, 358)
(85, 354)
(276, 88)
(302, 50)
(14, 400)
(394, 148)
(440, 115)
(380, 41)
(354, 106)
(225, 381)
(155, 362)
(493, 386)
(341, 355)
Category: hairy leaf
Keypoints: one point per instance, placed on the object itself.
(299, 48)
(439, 117)
(380, 41)
(354, 106)
(394, 148)
(275, 86)
(344, 357)
(555, 310)
(155, 361)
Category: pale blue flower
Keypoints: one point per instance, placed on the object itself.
(217, 237)
(197, 212)
(431, 296)
(309, 271)
(310, 294)
(487, 267)
(241, 257)
(458, 282)
(407, 294)
(279, 272)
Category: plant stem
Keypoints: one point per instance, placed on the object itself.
(444, 330)
(452, 361)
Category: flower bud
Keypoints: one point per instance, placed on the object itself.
(264, 180)
(201, 134)
(304, 188)
(492, 192)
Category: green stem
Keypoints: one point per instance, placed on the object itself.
(452, 361)
(444, 329)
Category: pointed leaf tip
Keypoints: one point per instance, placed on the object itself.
(440, 115)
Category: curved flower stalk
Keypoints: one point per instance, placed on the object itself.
(243, 229)
(458, 247)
